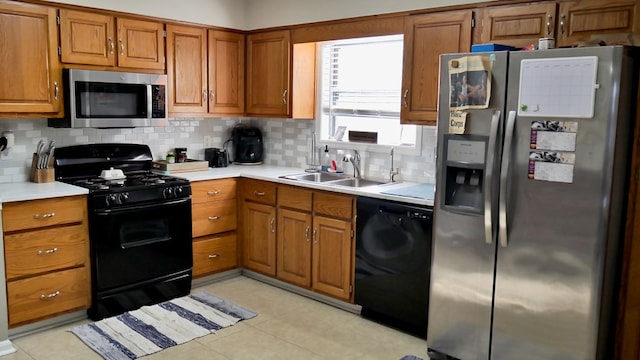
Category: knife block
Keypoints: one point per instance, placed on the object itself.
(41, 175)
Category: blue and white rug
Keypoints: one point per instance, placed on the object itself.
(153, 328)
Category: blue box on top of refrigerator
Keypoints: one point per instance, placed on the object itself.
(532, 173)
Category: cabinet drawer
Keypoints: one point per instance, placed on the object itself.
(259, 191)
(214, 217)
(339, 206)
(202, 191)
(41, 251)
(214, 253)
(39, 213)
(294, 198)
(42, 296)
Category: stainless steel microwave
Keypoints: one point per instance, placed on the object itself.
(110, 99)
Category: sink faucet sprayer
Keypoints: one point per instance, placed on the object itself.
(393, 172)
(355, 161)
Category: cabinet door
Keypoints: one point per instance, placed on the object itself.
(268, 73)
(582, 20)
(87, 38)
(226, 72)
(30, 75)
(520, 25)
(426, 37)
(260, 238)
(332, 265)
(294, 247)
(187, 69)
(140, 44)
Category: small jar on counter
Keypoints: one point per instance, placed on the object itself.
(170, 158)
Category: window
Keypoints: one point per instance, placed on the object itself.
(361, 82)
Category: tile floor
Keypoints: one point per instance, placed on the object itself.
(288, 326)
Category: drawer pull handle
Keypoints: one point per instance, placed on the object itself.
(314, 236)
(213, 256)
(48, 251)
(306, 233)
(258, 193)
(215, 192)
(44, 216)
(52, 295)
(211, 218)
(271, 223)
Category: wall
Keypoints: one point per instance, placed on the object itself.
(224, 13)
(285, 144)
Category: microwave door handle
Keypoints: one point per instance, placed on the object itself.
(504, 175)
(149, 102)
(488, 181)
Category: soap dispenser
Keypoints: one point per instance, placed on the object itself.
(326, 161)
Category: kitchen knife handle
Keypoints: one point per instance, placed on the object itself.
(504, 176)
(488, 181)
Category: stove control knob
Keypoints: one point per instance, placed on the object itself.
(178, 191)
(124, 197)
(112, 199)
(168, 193)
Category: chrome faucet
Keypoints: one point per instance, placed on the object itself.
(393, 172)
(355, 161)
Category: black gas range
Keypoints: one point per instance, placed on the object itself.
(139, 225)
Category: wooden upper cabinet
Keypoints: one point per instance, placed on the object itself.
(187, 68)
(30, 75)
(426, 37)
(582, 20)
(226, 72)
(269, 73)
(87, 38)
(140, 44)
(96, 39)
(518, 25)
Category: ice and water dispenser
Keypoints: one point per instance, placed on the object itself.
(464, 167)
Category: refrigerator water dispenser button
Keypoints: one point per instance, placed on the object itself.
(475, 179)
(460, 177)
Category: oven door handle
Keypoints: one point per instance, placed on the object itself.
(141, 207)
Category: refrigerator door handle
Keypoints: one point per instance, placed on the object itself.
(488, 199)
(504, 174)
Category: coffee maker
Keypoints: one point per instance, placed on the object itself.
(216, 157)
(247, 145)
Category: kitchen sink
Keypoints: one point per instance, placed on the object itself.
(315, 177)
(357, 183)
(333, 179)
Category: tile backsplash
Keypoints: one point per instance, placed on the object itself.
(285, 143)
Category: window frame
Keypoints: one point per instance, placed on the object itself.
(321, 126)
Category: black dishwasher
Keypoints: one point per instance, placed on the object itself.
(393, 261)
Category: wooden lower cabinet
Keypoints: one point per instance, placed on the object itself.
(214, 224)
(46, 295)
(260, 238)
(315, 240)
(47, 258)
(214, 253)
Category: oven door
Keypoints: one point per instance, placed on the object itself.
(139, 243)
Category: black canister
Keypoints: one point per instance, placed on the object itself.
(181, 155)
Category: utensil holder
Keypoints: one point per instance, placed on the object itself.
(42, 175)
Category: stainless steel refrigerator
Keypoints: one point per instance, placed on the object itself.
(532, 171)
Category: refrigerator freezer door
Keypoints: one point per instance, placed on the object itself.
(552, 278)
(461, 288)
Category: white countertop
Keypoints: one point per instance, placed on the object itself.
(30, 191)
(273, 173)
(20, 191)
